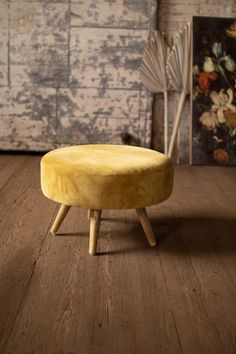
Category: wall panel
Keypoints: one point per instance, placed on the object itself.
(68, 72)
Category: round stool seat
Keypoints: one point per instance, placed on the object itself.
(106, 176)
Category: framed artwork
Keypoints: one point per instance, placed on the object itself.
(213, 132)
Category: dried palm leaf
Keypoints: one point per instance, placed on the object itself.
(178, 71)
(153, 73)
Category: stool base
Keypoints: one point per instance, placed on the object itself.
(95, 216)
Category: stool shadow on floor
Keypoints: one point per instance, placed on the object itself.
(73, 234)
(162, 231)
(197, 236)
(188, 237)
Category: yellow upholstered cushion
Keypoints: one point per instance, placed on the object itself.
(106, 176)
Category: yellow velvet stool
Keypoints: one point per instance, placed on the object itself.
(100, 177)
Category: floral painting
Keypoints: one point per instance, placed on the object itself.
(214, 91)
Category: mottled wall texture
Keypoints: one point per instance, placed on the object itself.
(172, 16)
(68, 72)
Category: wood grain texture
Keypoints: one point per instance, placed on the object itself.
(203, 249)
(21, 236)
(10, 167)
(176, 298)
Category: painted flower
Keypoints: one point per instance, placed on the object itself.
(204, 77)
(220, 155)
(209, 120)
(218, 140)
(196, 93)
(203, 81)
(217, 49)
(208, 65)
(230, 119)
(221, 102)
(229, 63)
(195, 70)
(231, 31)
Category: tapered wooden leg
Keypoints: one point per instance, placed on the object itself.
(94, 229)
(147, 227)
(59, 218)
(90, 213)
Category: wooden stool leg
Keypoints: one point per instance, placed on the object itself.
(147, 227)
(90, 213)
(95, 217)
(59, 218)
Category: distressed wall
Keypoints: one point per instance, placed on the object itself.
(68, 72)
(172, 16)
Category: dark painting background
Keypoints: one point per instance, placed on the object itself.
(213, 91)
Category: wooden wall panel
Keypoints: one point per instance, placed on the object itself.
(109, 58)
(3, 44)
(39, 44)
(68, 72)
(27, 117)
(122, 13)
(86, 113)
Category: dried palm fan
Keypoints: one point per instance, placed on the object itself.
(153, 73)
(178, 71)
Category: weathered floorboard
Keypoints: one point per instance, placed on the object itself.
(213, 286)
(22, 232)
(10, 166)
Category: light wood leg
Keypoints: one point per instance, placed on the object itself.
(147, 227)
(90, 213)
(59, 218)
(94, 229)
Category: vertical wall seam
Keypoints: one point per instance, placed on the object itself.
(9, 44)
(69, 38)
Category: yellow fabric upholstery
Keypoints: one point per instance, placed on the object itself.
(106, 176)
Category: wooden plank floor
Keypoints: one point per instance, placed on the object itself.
(179, 297)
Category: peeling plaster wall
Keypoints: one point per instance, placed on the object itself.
(68, 72)
(172, 16)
